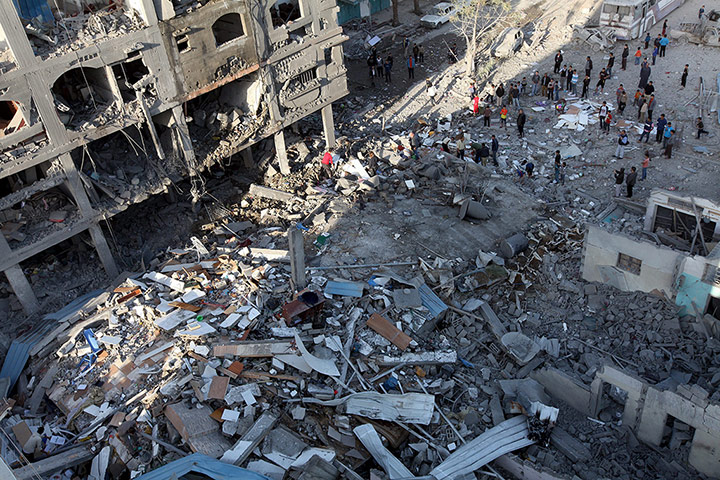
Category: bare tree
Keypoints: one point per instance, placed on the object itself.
(396, 15)
(475, 18)
(416, 7)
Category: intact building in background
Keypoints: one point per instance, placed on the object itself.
(101, 110)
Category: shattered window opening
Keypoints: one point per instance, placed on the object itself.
(711, 275)
(629, 264)
(127, 74)
(11, 117)
(183, 44)
(227, 28)
(284, 12)
(80, 93)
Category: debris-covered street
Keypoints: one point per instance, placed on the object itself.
(411, 302)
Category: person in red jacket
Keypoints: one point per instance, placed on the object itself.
(327, 161)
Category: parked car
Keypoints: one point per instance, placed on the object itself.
(441, 14)
(508, 42)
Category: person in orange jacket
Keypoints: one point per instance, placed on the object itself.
(503, 116)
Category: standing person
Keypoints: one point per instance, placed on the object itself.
(515, 95)
(644, 76)
(638, 56)
(667, 134)
(327, 162)
(371, 67)
(618, 94)
(664, 29)
(550, 86)
(421, 54)
(608, 121)
(484, 154)
(601, 82)
(624, 56)
(562, 173)
(557, 90)
(414, 144)
(700, 127)
(472, 89)
(569, 78)
(619, 179)
(499, 93)
(630, 181)
(558, 61)
(574, 81)
(647, 128)
(411, 67)
(535, 79)
(602, 114)
(647, 40)
(557, 165)
(588, 66)
(669, 141)
(586, 84)
(622, 102)
(486, 116)
(503, 117)
(636, 100)
(460, 145)
(523, 86)
(494, 147)
(683, 78)
(476, 105)
(388, 68)
(521, 122)
(642, 112)
(654, 54)
(660, 126)
(651, 106)
(544, 84)
(645, 165)
(416, 52)
(700, 12)
(664, 41)
(622, 142)
(610, 64)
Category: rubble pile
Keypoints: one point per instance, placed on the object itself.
(74, 32)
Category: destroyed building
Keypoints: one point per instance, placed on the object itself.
(179, 84)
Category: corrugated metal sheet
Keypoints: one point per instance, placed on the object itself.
(431, 301)
(344, 289)
(199, 463)
(29, 9)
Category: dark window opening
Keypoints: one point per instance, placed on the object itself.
(629, 264)
(713, 307)
(328, 56)
(284, 12)
(11, 117)
(127, 74)
(682, 226)
(81, 92)
(711, 275)
(676, 434)
(183, 45)
(228, 28)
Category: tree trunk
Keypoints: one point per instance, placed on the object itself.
(416, 7)
(396, 15)
(470, 60)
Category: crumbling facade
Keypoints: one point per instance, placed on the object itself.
(103, 110)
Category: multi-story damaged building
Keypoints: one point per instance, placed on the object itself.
(112, 101)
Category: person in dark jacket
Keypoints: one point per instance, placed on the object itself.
(494, 147)
(558, 61)
(483, 154)
(630, 181)
(661, 122)
(610, 65)
(588, 66)
(619, 178)
(683, 78)
(625, 55)
(521, 122)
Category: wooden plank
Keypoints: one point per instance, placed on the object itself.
(218, 387)
(185, 306)
(389, 331)
(227, 372)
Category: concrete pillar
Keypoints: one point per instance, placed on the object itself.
(103, 250)
(705, 453)
(281, 152)
(78, 192)
(247, 157)
(297, 258)
(22, 288)
(328, 125)
(151, 125)
(15, 35)
(17, 280)
(596, 391)
(184, 135)
(653, 418)
(114, 87)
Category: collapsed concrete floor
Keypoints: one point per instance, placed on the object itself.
(636, 385)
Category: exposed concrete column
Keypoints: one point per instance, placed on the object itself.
(114, 88)
(328, 125)
(653, 418)
(183, 134)
(45, 104)
(78, 192)
(297, 258)
(103, 250)
(15, 34)
(705, 452)
(281, 152)
(150, 124)
(17, 280)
